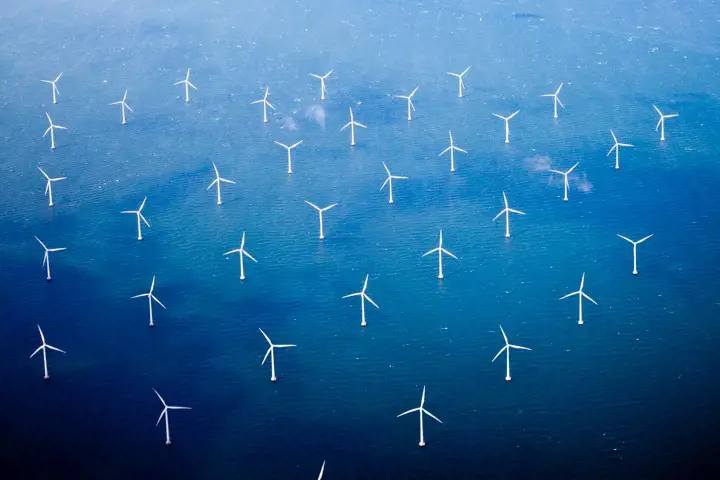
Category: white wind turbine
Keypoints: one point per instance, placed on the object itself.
(140, 216)
(352, 124)
(271, 352)
(363, 296)
(289, 148)
(461, 84)
(48, 185)
(661, 122)
(46, 257)
(507, 211)
(507, 124)
(241, 252)
(123, 106)
(440, 250)
(322, 470)
(409, 101)
(421, 410)
(187, 86)
(165, 414)
(507, 348)
(265, 103)
(54, 86)
(580, 295)
(322, 79)
(320, 213)
(565, 175)
(51, 129)
(218, 180)
(616, 148)
(451, 149)
(151, 296)
(44, 348)
(388, 181)
(556, 100)
(635, 244)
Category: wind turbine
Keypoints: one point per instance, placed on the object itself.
(217, 182)
(151, 296)
(451, 149)
(422, 410)
(352, 124)
(44, 348)
(616, 148)
(51, 129)
(48, 185)
(54, 86)
(322, 470)
(241, 251)
(507, 348)
(440, 250)
(320, 212)
(507, 211)
(556, 100)
(507, 124)
(461, 84)
(322, 78)
(661, 122)
(635, 244)
(46, 257)
(165, 414)
(288, 152)
(565, 174)
(388, 181)
(271, 352)
(580, 295)
(140, 216)
(265, 103)
(187, 86)
(123, 106)
(409, 101)
(363, 296)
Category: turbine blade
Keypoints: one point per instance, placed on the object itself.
(570, 295)
(161, 398)
(503, 334)
(612, 150)
(164, 412)
(141, 295)
(431, 415)
(409, 411)
(498, 215)
(36, 351)
(266, 337)
(266, 354)
(370, 300)
(285, 346)
(643, 239)
(431, 251)
(448, 253)
(498, 353)
(573, 168)
(55, 348)
(360, 125)
(313, 205)
(624, 238)
(512, 210)
(178, 408)
(586, 296)
(445, 151)
(249, 256)
(41, 243)
(143, 219)
(353, 295)
(519, 347)
(658, 110)
(158, 301)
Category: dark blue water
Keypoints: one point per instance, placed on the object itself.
(632, 393)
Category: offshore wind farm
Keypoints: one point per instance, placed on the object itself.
(597, 400)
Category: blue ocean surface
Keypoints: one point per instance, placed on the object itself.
(632, 393)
